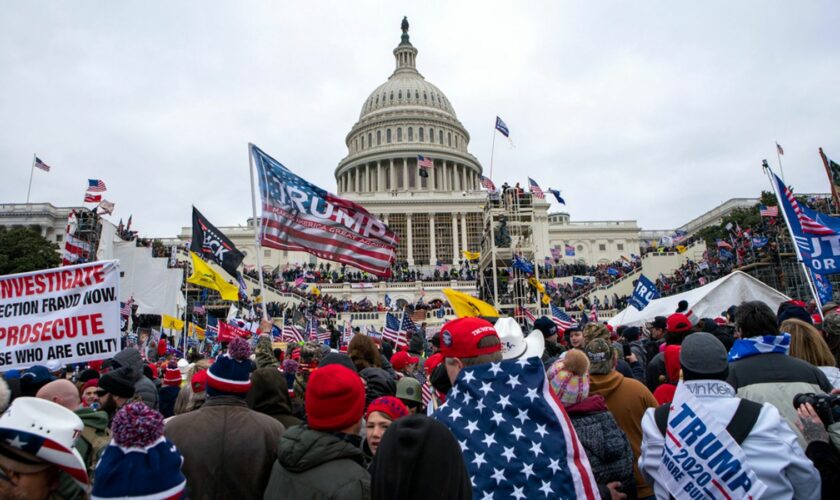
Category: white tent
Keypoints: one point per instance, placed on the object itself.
(707, 301)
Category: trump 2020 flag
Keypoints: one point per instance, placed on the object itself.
(516, 438)
(300, 216)
(644, 292)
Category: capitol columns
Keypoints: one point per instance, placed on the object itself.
(463, 231)
(454, 237)
(409, 254)
(393, 182)
(380, 176)
(430, 182)
(432, 245)
(405, 174)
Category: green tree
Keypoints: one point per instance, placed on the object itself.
(23, 249)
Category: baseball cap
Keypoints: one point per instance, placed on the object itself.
(659, 322)
(678, 323)
(459, 338)
(600, 355)
(402, 359)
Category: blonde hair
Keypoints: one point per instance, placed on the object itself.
(806, 343)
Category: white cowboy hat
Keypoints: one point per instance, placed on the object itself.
(515, 344)
(33, 428)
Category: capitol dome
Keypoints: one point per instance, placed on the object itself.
(402, 120)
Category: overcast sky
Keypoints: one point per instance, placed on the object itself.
(650, 111)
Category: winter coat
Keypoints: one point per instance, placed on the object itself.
(832, 373)
(143, 387)
(776, 378)
(627, 400)
(166, 398)
(316, 465)
(269, 395)
(771, 448)
(654, 372)
(606, 446)
(228, 449)
(379, 383)
(651, 349)
(638, 350)
(264, 353)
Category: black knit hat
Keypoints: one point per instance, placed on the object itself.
(118, 382)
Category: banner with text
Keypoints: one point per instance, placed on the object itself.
(69, 314)
(644, 292)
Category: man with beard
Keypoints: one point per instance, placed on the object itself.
(549, 331)
(116, 388)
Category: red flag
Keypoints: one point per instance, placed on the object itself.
(227, 332)
(92, 198)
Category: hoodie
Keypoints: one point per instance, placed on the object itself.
(627, 399)
(317, 465)
(143, 387)
(379, 383)
(269, 395)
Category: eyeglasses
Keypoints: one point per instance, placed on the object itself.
(101, 392)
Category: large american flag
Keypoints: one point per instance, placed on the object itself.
(561, 319)
(516, 439)
(291, 333)
(393, 330)
(300, 216)
(488, 183)
(809, 225)
(535, 189)
(96, 185)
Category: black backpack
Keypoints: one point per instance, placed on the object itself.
(739, 427)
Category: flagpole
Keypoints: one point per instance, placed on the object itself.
(256, 230)
(31, 174)
(186, 305)
(492, 150)
(805, 269)
(830, 180)
(779, 156)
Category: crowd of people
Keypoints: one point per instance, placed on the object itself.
(368, 420)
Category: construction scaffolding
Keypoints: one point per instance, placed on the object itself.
(88, 230)
(508, 220)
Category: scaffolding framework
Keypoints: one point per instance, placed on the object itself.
(508, 230)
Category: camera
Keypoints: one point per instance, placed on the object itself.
(823, 405)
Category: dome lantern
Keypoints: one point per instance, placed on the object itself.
(405, 53)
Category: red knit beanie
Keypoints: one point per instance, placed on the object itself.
(172, 377)
(335, 398)
(390, 406)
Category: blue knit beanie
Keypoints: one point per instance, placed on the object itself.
(230, 375)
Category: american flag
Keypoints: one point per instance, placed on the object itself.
(199, 309)
(312, 329)
(525, 445)
(529, 316)
(43, 166)
(407, 325)
(561, 319)
(426, 393)
(779, 149)
(488, 183)
(393, 330)
(535, 188)
(424, 162)
(809, 224)
(96, 185)
(765, 211)
(724, 244)
(125, 307)
(291, 333)
(300, 216)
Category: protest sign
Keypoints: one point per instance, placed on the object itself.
(228, 331)
(701, 459)
(69, 314)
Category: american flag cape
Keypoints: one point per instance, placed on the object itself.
(300, 216)
(561, 319)
(516, 438)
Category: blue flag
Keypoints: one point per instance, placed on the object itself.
(557, 196)
(579, 281)
(612, 271)
(516, 441)
(725, 254)
(644, 292)
(523, 265)
(502, 127)
(759, 241)
(824, 288)
(387, 300)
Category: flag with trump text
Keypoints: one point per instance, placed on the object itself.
(300, 216)
(516, 438)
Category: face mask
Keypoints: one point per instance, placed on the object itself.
(440, 379)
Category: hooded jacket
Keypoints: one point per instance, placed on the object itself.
(143, 387)
(316, 465)
(627, 399)
(379, 383)
(228, 449)
(607, 448)
(771, 447)
(269, 395)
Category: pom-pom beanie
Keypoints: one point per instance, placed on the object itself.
(230, 375)
(569, 378)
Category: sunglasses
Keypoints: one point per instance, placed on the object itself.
(101, 392)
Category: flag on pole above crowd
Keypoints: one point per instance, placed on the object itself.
(644, 292)
(106, 206)
(204, 276)
(212, 244)
(300, 216)
(535, 188)
(561, 319)
(93, 198)
(779, 149)
(487, 183)
(43, 166)
(832, 169)
(96, 186)
(570, 251)
(525, 431)
(502, 127)
(392, 330)
(522, 264)
(424, 162)
(771, 211)
(557, 196)
(465, 305)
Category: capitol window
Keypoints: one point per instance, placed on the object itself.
(620, 246)
(456, 140)
(392, 95)
(370, 141)
(417, 94)
(410, 134)
(425, 97)
(363, 142)
(420, 131)
(388, 136)
(602, 247)
(378, 137)
(440, 137)
(431, 135)
(399, 94)
(399, 134)
(449, 138)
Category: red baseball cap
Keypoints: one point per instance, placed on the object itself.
(678, 323)
(459, 338)
(402, 359)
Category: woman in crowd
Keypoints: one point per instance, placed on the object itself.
(379, 416)
(807, 344)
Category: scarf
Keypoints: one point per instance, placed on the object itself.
(744, 348)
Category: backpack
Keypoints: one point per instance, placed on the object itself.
(739, 427)
(97, 442)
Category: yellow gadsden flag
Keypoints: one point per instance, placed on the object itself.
(203, 275)
(471, 255)
(171, 322)
(468, 306)
(196, 331)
